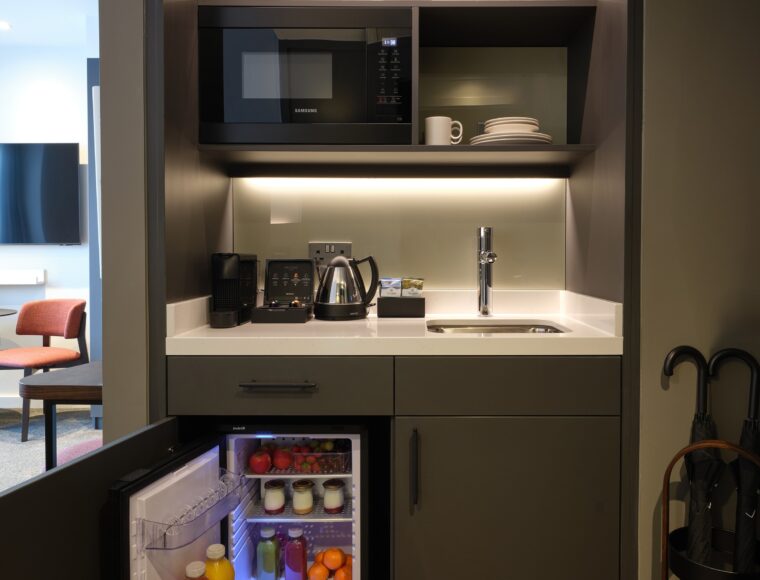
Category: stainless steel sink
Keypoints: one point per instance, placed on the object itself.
(493, 326)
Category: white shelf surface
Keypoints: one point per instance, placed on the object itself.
(256, 514)
(275, 475)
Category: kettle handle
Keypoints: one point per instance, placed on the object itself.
(370, 294)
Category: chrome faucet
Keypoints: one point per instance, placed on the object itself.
(486, 258)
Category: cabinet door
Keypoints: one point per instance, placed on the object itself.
(506, 497)
(66, 506)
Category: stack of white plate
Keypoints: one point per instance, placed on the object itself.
(511, 131)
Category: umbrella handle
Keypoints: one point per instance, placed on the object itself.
(754, 396)
(685, 352)
(705, 444)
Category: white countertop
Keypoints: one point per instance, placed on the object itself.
(594, 328)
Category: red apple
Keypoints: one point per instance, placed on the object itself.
(260, 462)
(282, 459)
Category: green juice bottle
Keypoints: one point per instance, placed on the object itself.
(268, 556)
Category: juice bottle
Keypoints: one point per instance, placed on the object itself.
(195, 571)
(217, 566)
(268, 556)
(295, 555)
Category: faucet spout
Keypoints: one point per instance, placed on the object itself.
(486, 258)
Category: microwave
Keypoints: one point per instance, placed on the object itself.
(295, 75)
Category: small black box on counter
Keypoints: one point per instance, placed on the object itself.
(400, 307)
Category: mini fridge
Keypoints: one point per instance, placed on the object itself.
(208, 493)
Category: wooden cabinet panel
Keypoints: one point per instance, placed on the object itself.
(510, 385)
(235, 385)
(507, 497)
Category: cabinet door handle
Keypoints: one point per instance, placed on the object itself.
(414, 469)
(305, 386)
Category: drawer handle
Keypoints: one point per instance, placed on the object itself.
(414, 469)
(306, 386)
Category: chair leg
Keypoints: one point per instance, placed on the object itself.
(25, 420)
(25, 405)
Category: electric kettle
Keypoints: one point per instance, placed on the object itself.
(341, 294)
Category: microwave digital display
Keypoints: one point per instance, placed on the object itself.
(390, 41)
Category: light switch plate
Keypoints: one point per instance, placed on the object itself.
(323, 252)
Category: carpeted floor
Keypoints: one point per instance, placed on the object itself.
(22, 461)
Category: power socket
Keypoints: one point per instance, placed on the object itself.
(323, 252)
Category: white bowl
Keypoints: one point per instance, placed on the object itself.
(511, 128)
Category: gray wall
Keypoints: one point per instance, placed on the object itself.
(700, 281)
(125, 321)
(413, 227)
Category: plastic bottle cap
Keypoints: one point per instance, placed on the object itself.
(215, 552)
(295, 532)
(195, 570)
(267, 532)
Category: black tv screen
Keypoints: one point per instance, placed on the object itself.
(39, 193)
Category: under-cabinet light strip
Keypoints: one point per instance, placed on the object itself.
(404, 186)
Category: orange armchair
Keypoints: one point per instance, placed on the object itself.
(46, 318)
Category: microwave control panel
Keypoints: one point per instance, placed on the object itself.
(389, 76)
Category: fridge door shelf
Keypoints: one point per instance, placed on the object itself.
(256, 514)
(197, 519)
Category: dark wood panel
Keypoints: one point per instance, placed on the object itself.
(49, 515)
(518, 497)
(630, 422)
(211, 385)
(198, 211)
(516, 385)
(595, 234)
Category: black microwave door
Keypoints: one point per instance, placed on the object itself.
(58, 518)
(294, 75)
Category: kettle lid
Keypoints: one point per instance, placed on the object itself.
(339, 262)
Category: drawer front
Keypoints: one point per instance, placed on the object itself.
(219, 385)
(515, 385)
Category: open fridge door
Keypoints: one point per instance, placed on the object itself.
(173, 516)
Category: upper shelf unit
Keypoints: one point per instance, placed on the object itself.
(482, 63)
(397, 160)
(470, 63)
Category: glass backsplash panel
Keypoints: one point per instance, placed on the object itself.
(416, 227)
(476, 84)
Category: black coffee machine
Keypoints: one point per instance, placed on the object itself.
(234, 288)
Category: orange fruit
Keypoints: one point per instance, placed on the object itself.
(349, 561)
(334, 558)
(343, 573)
(318, 572)
(319, 557)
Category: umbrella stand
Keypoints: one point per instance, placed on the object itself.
(746, 474)
(673, 544)
(703, 467)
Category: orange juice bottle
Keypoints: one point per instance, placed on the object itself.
(195, 570)
(217, 566)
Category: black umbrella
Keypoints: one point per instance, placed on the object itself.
(747, 474)
(703, 466)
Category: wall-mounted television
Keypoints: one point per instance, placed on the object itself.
(39, 193)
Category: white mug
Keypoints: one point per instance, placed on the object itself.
(441, 131)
